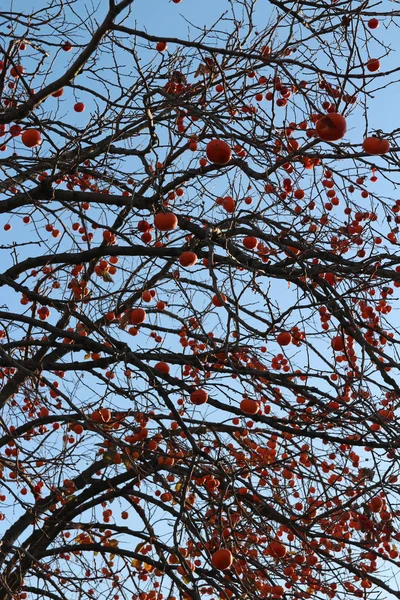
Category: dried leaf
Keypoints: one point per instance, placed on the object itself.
(107, 277)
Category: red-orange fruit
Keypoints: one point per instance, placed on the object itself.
(137, 316)
(165, 221)
(17, 71)
(31, 138)
(284, 338)
(229, 204)
(373, 65)
(373, 23)
(199, 397)
(376, 504)
(249, 407)
(331, 127)
(375, 146)
(216, 301)
(222, 559)
(162, 367)
(103, 415)
(250, 242)
(337, 343)
(188, 258)
(15, 130)
(161, 46)
(277, 549)
(218, 152)
(147, 296)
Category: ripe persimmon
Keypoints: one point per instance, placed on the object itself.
(222, 559)
(161, 46)
(284, 338)
(198, 397)
(249, 406)
(218, 152)
(250, 242)
(217, 302)
(103, 415)
(31, 138)
(331, 127)
(373, 23)
(162, 367)
(386, 414)
(15, 130)
(17, 71)
(373, 65)
(277, 549)
(376, 504)
(165, 221)
(337, 343)
(188, 258)
(299, 194)
(375, 146)
(143, 225)
(137, 316)
(229, 204)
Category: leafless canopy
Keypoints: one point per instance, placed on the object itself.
(230, 380)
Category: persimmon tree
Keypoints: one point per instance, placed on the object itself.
(199, 344)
